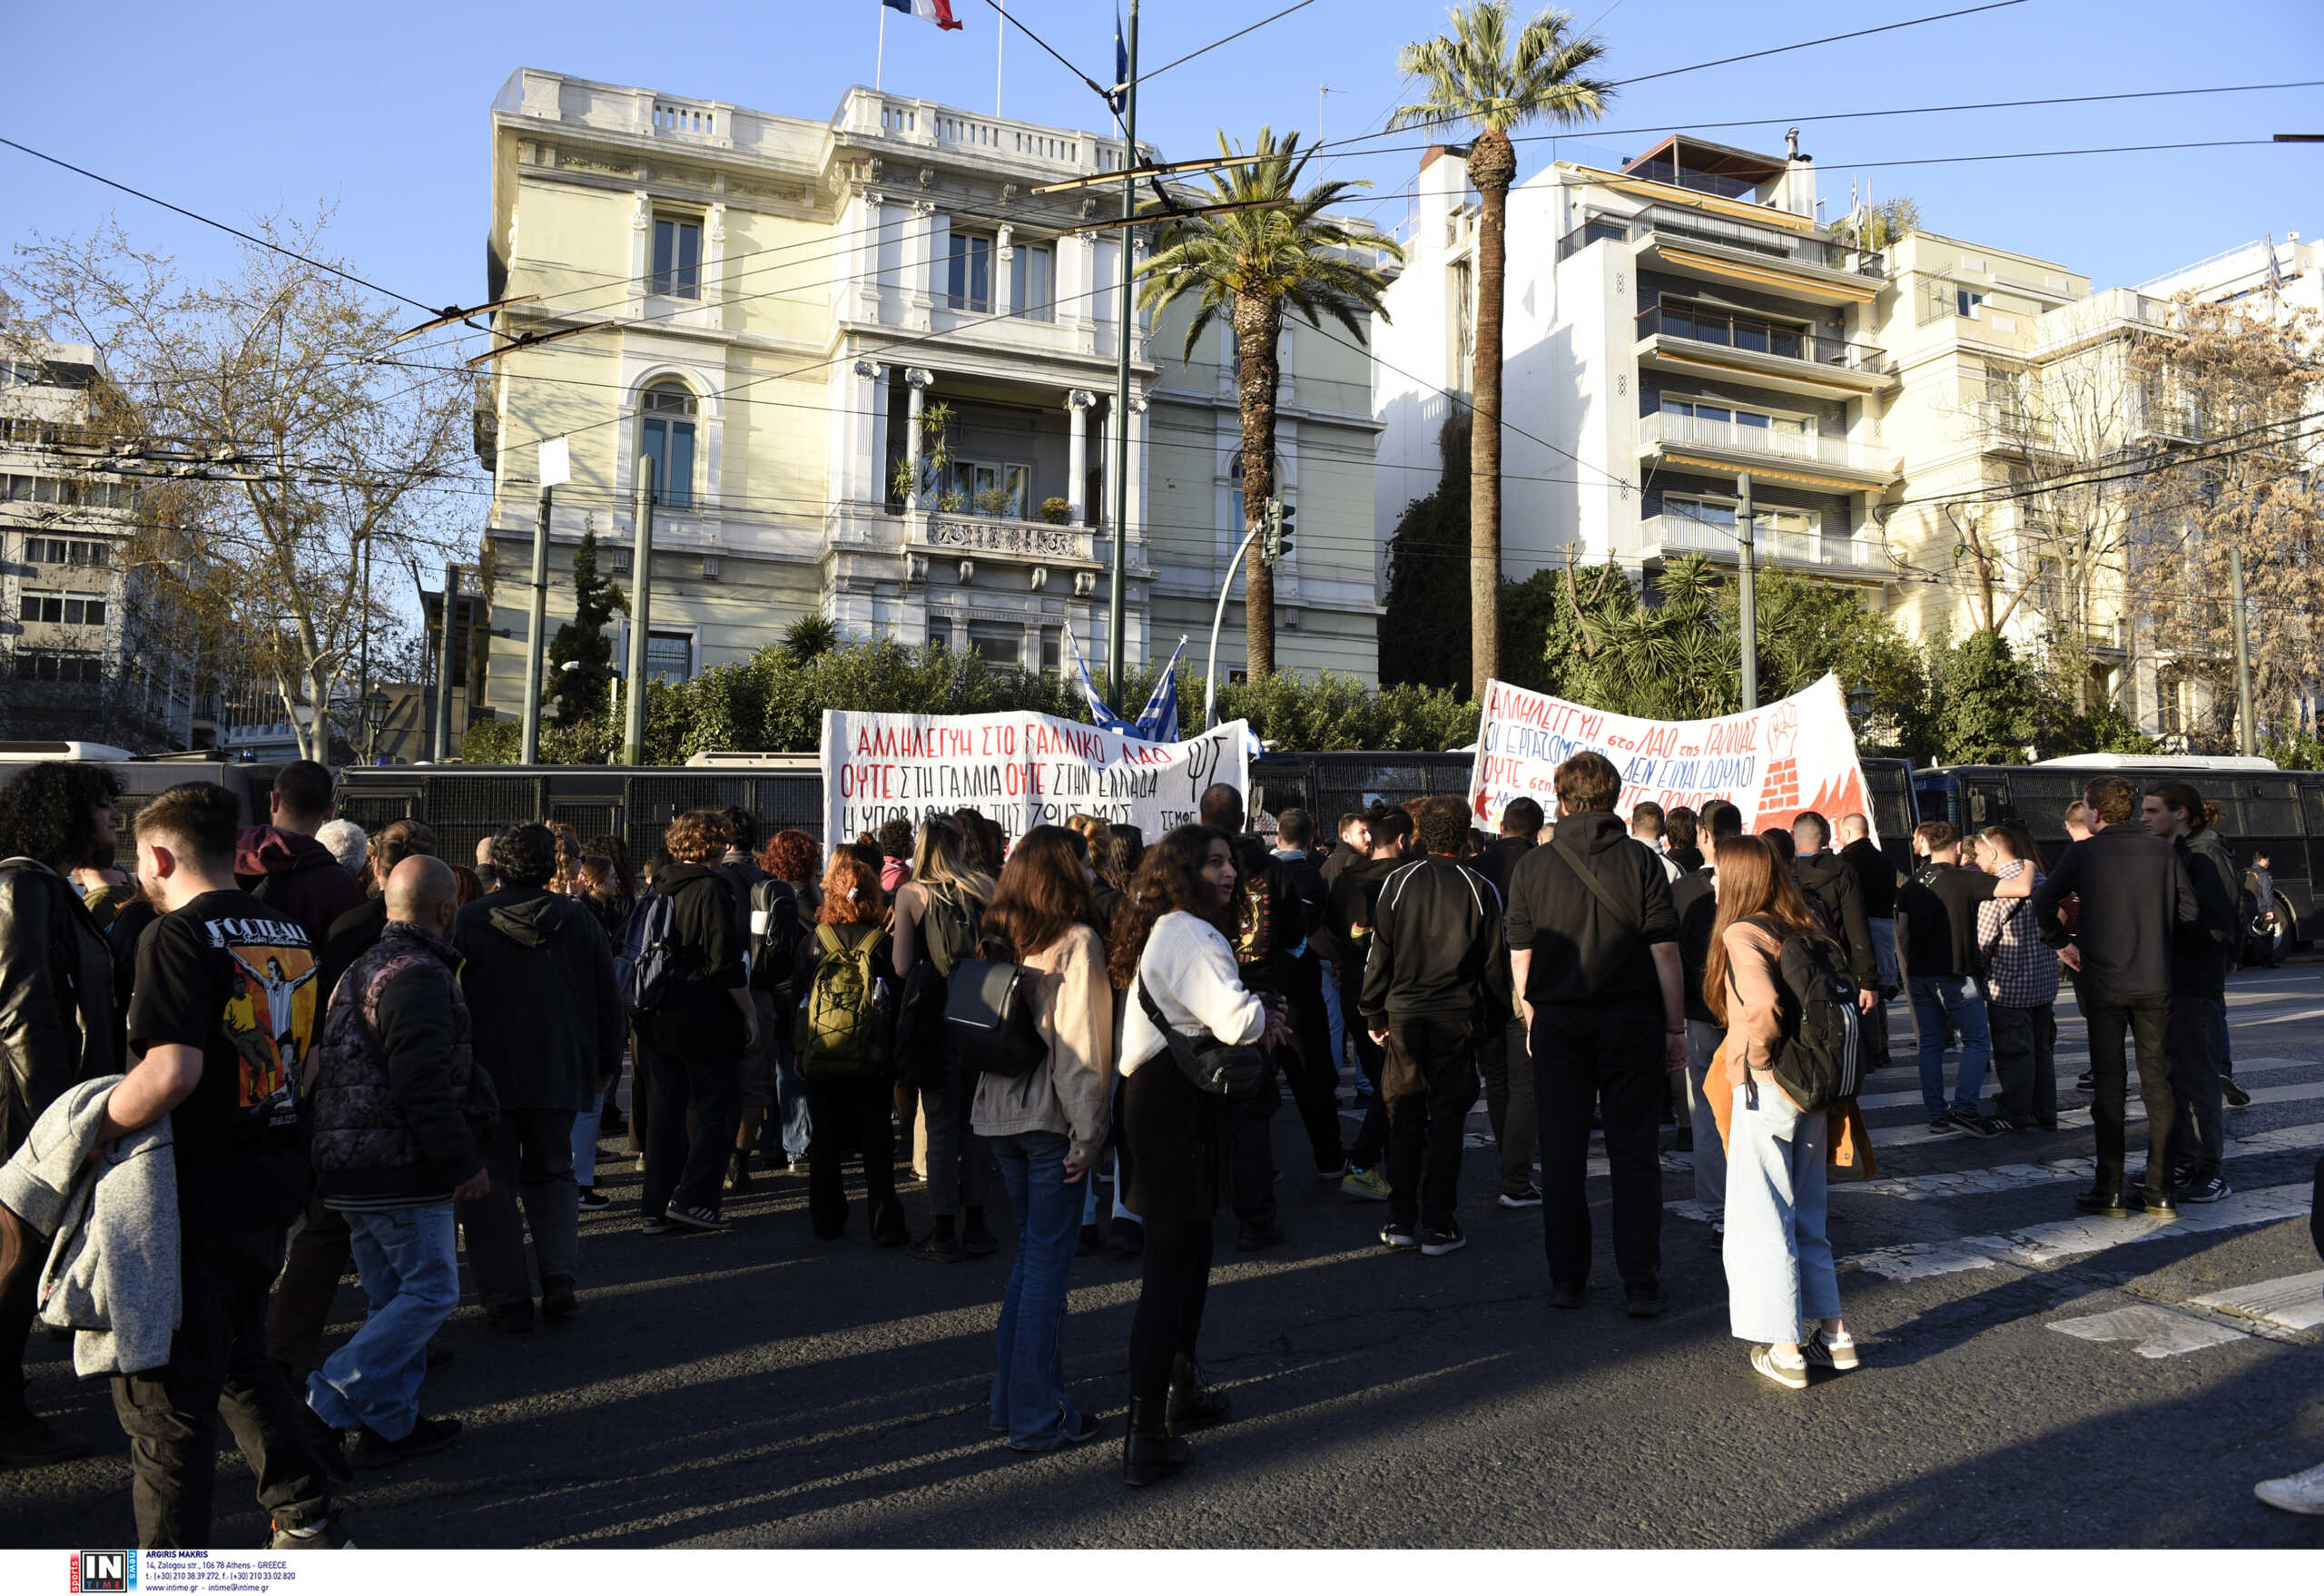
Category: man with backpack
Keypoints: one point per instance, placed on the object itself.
(539, 976)
(2134, 901)
(743, 878)
(1436, 993)
(1593, 945)
(1351, 908)
(688, 992)
(1836, 897)
(1508, 1065)
(1937, 933)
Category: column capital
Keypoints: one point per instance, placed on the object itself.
(919, 377)
(870, 368)
(1080, 399)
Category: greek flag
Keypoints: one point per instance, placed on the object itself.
(1156, 723)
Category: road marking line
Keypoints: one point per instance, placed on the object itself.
(1907, 1136)
(2065, 1241)
(2158, 1332)
(1951, 1183)
(2296, 1302)
(1917, 1260)
(2065, 1078)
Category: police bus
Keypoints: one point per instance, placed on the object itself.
(2263, 811)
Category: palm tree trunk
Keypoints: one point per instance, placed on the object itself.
(1492, 164)
(1258, 327)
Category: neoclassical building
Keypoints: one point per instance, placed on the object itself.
(875, 372)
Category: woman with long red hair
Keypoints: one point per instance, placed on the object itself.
(1783, 1292)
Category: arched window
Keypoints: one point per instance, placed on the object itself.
(666, 433)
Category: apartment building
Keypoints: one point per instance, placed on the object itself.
(874, 371)
(1671, 322)
(83, 653)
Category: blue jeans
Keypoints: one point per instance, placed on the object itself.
(412, 1277)
(585, 1131)
(1779, 1269)
(791, 1099)
(1029, 1397)
(1934, 998)
(1333, 1017)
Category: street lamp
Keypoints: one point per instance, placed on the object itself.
(375, 720)
(1859, 705)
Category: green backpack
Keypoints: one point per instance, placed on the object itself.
(846, 1028)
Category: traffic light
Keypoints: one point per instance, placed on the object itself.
(1279, 529)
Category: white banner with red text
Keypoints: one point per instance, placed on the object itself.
(1021, 769)
(1771, 763)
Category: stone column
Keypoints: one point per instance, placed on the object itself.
(1079, 402)
(1136, 527)
(918, 379)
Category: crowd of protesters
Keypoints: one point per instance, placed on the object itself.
(305, 1049)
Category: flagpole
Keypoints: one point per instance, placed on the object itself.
(1120, 572)
(1000, 37)
(879, 65)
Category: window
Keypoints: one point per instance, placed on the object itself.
(1965, 302)
(67, 609)
(1052, 651)
(1720, 512)
(939, 634)
(1464, 327)
(669, 657)
(40, 665)
(677, 259)
(667, 434)
(989, 487)
(65, 551)
(967, 281)
(995, 644)
(1032, 289)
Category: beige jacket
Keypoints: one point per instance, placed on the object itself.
(1073, 1097)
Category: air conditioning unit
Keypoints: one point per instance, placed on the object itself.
(710, 567)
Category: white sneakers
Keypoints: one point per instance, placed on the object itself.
(2303, 1492)
(1790, 1372)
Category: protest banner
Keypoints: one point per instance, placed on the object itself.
(1021, 769)
(1771, 763)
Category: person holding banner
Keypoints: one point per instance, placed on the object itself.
(1593, 944)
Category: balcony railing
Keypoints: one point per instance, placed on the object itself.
(1668, 535)
(2009, 426)
(1760, 338)
(1035, 541)
(1699, 227)
(1773, 441)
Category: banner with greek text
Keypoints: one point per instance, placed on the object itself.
(1020, 770)
(1771, 763)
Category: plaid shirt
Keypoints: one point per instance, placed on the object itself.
(2020, 971)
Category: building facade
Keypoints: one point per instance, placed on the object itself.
(874, 371)
(85, 654)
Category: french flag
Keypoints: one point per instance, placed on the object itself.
(939, 12)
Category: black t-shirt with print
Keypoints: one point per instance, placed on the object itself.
(227, 975)
(1939, 909)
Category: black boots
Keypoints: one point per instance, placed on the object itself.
(1193, 1405)
(1149, 1451)
(2103, 1200)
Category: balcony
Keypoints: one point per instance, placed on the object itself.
(1666, 537)
(2009, 429)
(1671, 439)
(1697, 243)
(1771, 354)
(951, 534)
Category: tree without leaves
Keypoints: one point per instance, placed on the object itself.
(1478, 76)
(2228, 371)
(1248, 266)
(320, 456)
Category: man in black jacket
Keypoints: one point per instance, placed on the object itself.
(1593, 944)
(2136, 897)
(692, 1045)
(1436, 992)
(1508, 1071)
(539, 980)
(2196, 1036)
(57, 1023)
(1829, 883)
(396, 1098)
(1875, 886)
(1354, 901)
(320, 1252)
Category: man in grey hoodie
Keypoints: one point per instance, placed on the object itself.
(549, 1024)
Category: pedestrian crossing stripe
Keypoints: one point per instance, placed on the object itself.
(2063, 1241)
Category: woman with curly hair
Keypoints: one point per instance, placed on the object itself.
(1172, 956)
(57, 1013)
(690, 1048)
(849, 1110)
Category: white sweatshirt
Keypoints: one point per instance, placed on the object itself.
(1190, 969)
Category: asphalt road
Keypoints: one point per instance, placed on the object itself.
(762, 1389)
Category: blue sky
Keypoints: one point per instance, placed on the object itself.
(238, 110)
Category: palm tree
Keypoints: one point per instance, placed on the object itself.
(1478, 76)
(1279, 250)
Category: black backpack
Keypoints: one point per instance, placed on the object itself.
(777, 927)
(647, 962)
(1820, 1062)
(951, 927)
(992, 1012)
